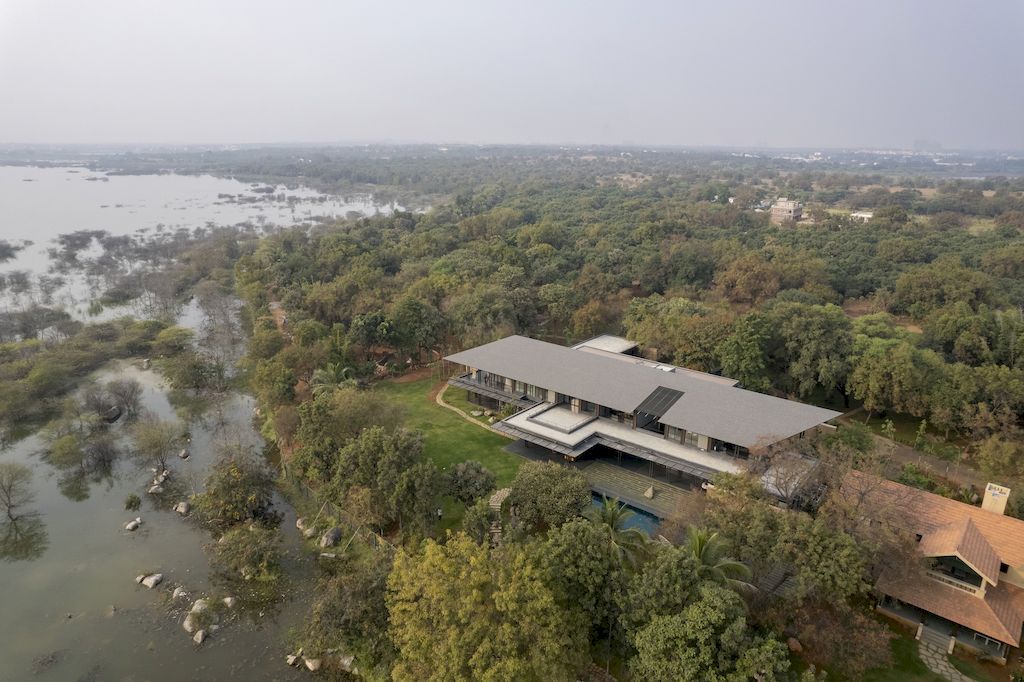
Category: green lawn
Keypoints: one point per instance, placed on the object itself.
(972, 668)
(448, 438)
(907, 665)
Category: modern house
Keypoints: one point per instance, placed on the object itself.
(599, 398)
(969, 589)
(786, 209)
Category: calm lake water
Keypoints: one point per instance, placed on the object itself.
(38, 204)
(74, 600)
(69, 605)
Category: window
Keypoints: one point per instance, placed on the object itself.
(691, 438)
(1003, 568)
(536, 392)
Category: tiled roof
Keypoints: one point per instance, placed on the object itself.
(963, 539)
(926, 513)
(998, 615)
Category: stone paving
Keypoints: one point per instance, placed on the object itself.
(938, 662)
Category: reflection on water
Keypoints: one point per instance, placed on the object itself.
(22, 538)
(88, 207)
(71, 606)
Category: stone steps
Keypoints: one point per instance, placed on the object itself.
(935, 639)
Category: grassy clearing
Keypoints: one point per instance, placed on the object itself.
(448, 438)
(906, 428)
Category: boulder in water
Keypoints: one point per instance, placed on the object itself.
(183, 508)
(155, 489)
(331, 537)
(153, 580)
(179, 592)
(184, 454)
(133, 524)
(198, 606)
(140, 578)
(312, 664)
(230, 602)
(199, 637)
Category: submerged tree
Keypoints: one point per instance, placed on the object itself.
(156, 440)
(15, 488)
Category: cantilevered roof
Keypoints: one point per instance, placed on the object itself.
(717, 410)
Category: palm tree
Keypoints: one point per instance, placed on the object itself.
(710, 550)
(627, 545)
(330, 378)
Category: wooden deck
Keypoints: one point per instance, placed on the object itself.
(613, 481)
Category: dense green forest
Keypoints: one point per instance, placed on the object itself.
(911, 321)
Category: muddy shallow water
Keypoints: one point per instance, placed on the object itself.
(73, 611)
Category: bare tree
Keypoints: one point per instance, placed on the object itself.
(15, 490)
(127, 393)
(156, 440)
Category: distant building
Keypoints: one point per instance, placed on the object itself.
(786, 209)
(862, 216)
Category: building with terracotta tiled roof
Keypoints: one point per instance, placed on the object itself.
(971, 591)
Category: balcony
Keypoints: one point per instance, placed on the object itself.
(558, 428)
(467, 382)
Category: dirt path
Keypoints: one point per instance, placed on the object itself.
(415, 375)
(280, 317)
(438, 395)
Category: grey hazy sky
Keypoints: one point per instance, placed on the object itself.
(815, 73)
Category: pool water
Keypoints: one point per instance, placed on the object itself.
(646, 522)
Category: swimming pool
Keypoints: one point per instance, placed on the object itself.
(648, 523)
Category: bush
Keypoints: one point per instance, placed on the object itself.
(250, 551)
(547, 494)
(132, 502)
(239, 490)
(469, 481)
(477, 521)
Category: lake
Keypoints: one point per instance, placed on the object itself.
(38, 204)
(70, 608)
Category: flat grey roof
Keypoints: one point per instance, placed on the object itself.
(724, 412)
(608, 342)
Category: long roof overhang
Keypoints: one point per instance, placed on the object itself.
(707, 406)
